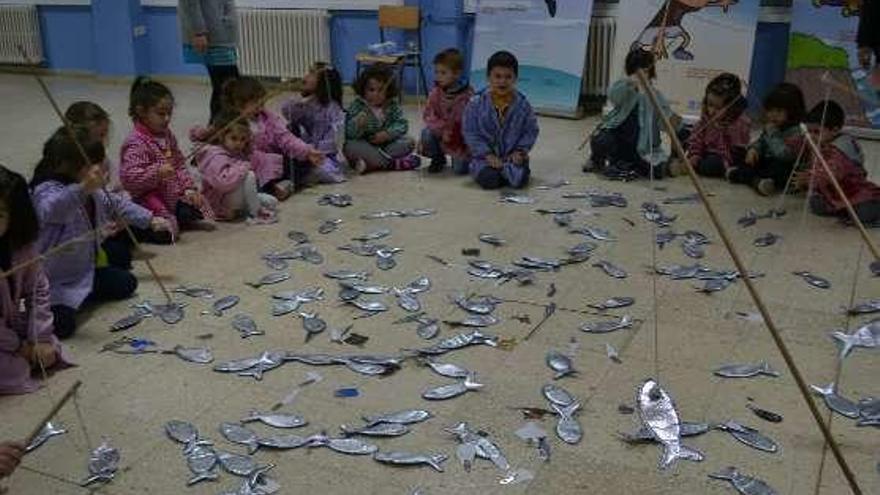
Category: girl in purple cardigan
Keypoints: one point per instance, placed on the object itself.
(69, 200)
(26, 338)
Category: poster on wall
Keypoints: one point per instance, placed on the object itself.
(549, 37)
(698, 39)
(823, 59)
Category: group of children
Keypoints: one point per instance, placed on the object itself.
(627, 143)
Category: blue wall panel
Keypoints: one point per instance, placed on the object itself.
(165, 49)
(768, 60)
(67, 37)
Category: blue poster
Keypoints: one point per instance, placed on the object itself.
(549, 37)
(823, 60)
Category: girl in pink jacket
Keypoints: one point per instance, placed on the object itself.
(247, 96)
(229, 169)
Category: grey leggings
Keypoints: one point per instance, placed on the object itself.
(378, 157)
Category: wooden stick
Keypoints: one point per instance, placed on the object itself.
(52, 412)
(48, 254)
(753, 292)
(849, 208)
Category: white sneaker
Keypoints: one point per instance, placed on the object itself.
(268, 201)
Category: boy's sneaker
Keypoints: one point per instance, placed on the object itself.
(677, 168)
(437, 165)
(765, 187)
(360, 167)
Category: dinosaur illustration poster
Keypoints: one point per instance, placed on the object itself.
(823, 59)
(549, 37)
(694, 40)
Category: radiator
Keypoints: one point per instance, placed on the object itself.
(600, 52)
(20, 27)
(282, 43)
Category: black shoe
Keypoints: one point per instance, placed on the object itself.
(436, 166)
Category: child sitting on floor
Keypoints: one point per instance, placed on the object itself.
(771, 159)
(844, 157)
(228, 167)
(318, 119)
(269, 134)
(717, 145)
(627, 142)
(152, 168)
(375, 128)
(500, 127)
(69, 200)
(27, 342)
(442, 134)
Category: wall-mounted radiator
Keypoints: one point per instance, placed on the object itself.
(20, 27)
(600, 55)
(282, 43)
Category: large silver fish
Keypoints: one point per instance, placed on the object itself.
(246, 326)
(48, 431)
(447, 369)
(350, 446)
(405, 417)
(236, 433)
(103, 464)
(745, 370)
(202, 461)
(237, 464)
(837, 403)
(379, 430)
(181, 431)
(607, 326)
(453, 390)
(644, 434)
(276, 420)
(867, 336)
(746, 485)
(283, 442)
(568, 429)
(407, 459)
(749, 436)
(237, 365)
(814, 280)
(270, 279)
(198, 355)
(557, 395)
(560, 364)
(657, 410)
(611, 269)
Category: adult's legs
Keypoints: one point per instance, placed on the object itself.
(64, 321)
(219, 74)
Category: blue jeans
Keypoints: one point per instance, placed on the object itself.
(432, 149)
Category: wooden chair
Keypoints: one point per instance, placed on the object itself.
(404, 19)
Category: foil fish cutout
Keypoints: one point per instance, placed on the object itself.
(237, 365)
(477, 305)
(614, 303)
(864, 308)
(608, 326)
(517, 199)
(419, 285)
(428, 328)
(298, 237)
(692, 250)
(556, 211)
(745, 370)
(385, 260)
(766, 240)
(335, 199)
(764, 414)
(664, 238)
(560, 364)
(451, 391)
(479, 321)
(364, 288)
(127, 322)
(407, 301)
(477, 446)
(557, 395)
(328, 226)
(369, 306)
(405, 417)
(285, 307)
(236, 433)
(312, 324)
(837, 403)
(283, 442)
(568, 429)
(682, 200)
(202, 461)
(867, 336)
(714, 285)
(645, 435)
(350, 446)
(746, 485)
(749, 219)
(246, 326)
(194, 291)
(347, 275)
(582, 249)
(447, 369)
(103, 464)
(749, 436)
(597, 233)
(276, 420)
(814, 280)
(371, 369)
(267, 361)
(407, 459)
(198, 355)
(492, 239)
(48, 431)
(657, 410)
(380, 430)
(382, 214)
(611, 269)
(270, 279)
(236, 464)
(373, 236)
(181, 432)
(223, 304)
(612, 354)
(171, 313)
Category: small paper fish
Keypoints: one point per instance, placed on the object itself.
(270, 279)
(328, 226)
(236, 433)
(611, 269)
(445, 392)
(127, 322)
(557, 395)
(560, 364)
(298, 237)
(198, 355)
(492, 239)
(447, 369)
(766, 240)
(614, 303)
(380, 430)
(48, 431)
(749, 436)
(814, 280)
(407, 459)
(568, 429)
(276, 420)
(837, 403)
(202, 461)
(373, 236)
(608, 326)
(103, 464)
(745, 370)
(246, 326)
(405, 417)
(745, 485)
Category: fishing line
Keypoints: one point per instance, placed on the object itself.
(653, 242)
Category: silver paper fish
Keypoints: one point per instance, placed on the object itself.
(645, 435)
(48, 431)
(766, 240)
(418, 212)
(283, 442)
(365, 288)
(612, 354)
(692, 250)
(562, 220)
(749, 436)
(298, 237)
(517, 200)
(381, 214)
(202, 461)
(453, 390)
(103, 464)
(614, 303)
(370, 369)
(746, 485)
(369, 306)
(713, 285)
(866, 336)
(181, 431)
(405, 417)
(447, 369)
(276, 420)
(556, 211)
(407, 459)
(237, 464)
(335, 199)
(814, 280)
(171, 313)
(236, 433)
(198, 355)
(864, 308)
(127, 322)
(583, 248)
(419, 285)
(379, 430)
(611, 269)
(596, 233)
(749, 219)
(557, 395)
(745, 370)
(285, 307)
(478, 446)
(373, 236)
(837, 403)
(385, 260)
(347, 275)
(267, 361)
(476, 305)
(237, 365)
(223, 304)
(608, 326)
(407, 301)
(246, 326)
(194, 291)
(478, 321)
(568, 429)
(276, 264)
(492, 239)
(560, 364)
(270, 279)
(328, 226)
(350, 446)
(312, 324)
(657, 410)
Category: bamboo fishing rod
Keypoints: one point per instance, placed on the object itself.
(753, 292)
(48, 253)
(52, 412)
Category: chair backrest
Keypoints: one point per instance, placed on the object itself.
(397, 17)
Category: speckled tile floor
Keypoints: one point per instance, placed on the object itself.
(127, 399)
